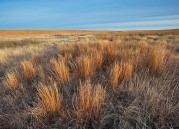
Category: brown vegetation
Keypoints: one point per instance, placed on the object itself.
(61, 70)
(28, 70)
(93, 80)
(90, 101)
(85, 66)
(49, 100)
(11, 81)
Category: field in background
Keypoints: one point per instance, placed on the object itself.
(26, 32)
(89, 79)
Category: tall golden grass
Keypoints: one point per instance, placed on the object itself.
(157, 58)
(66, 49)
(11, 81)
(85, 66)
(127, 70)
(90, 101)
(137, 61)
(120, 72)
(49, 100)
(28, 69)
(61, 70)
(110, 53)
(116, 74)
(98, 59)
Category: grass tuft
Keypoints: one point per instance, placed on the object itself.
(98, 58)
(157, 59)
(116, 74)
(28, 70)
(120, 72)
(90, 100)
(49, 100)
(61, 70)
(85, 66)
(11, 81)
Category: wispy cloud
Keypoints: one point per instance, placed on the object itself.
(152, 22)
(161, 22)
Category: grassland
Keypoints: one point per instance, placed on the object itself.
(89, 79)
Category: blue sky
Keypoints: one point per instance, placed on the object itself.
(89, 14)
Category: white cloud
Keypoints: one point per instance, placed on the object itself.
(135, 24)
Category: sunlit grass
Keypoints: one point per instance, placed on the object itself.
(11, 81)
(96, 80)
(90, 101)
(49, 100)
(28, 70)
(61, 70)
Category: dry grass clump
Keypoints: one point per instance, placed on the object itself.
(120, 72)
(98, 59)
(142, 46)
(61, 70)
(85, 66)
(139, 56)
(116, 74)
(84, 48)
(157, 60)
(90, 101)
(67, 49)
(101, 44)
(128, 70)
(49, 100)
(11, 81)
(137, 61)
(110, 53)
(68, 58)
(28, 70)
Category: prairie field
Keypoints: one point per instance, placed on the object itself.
(89, 79)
